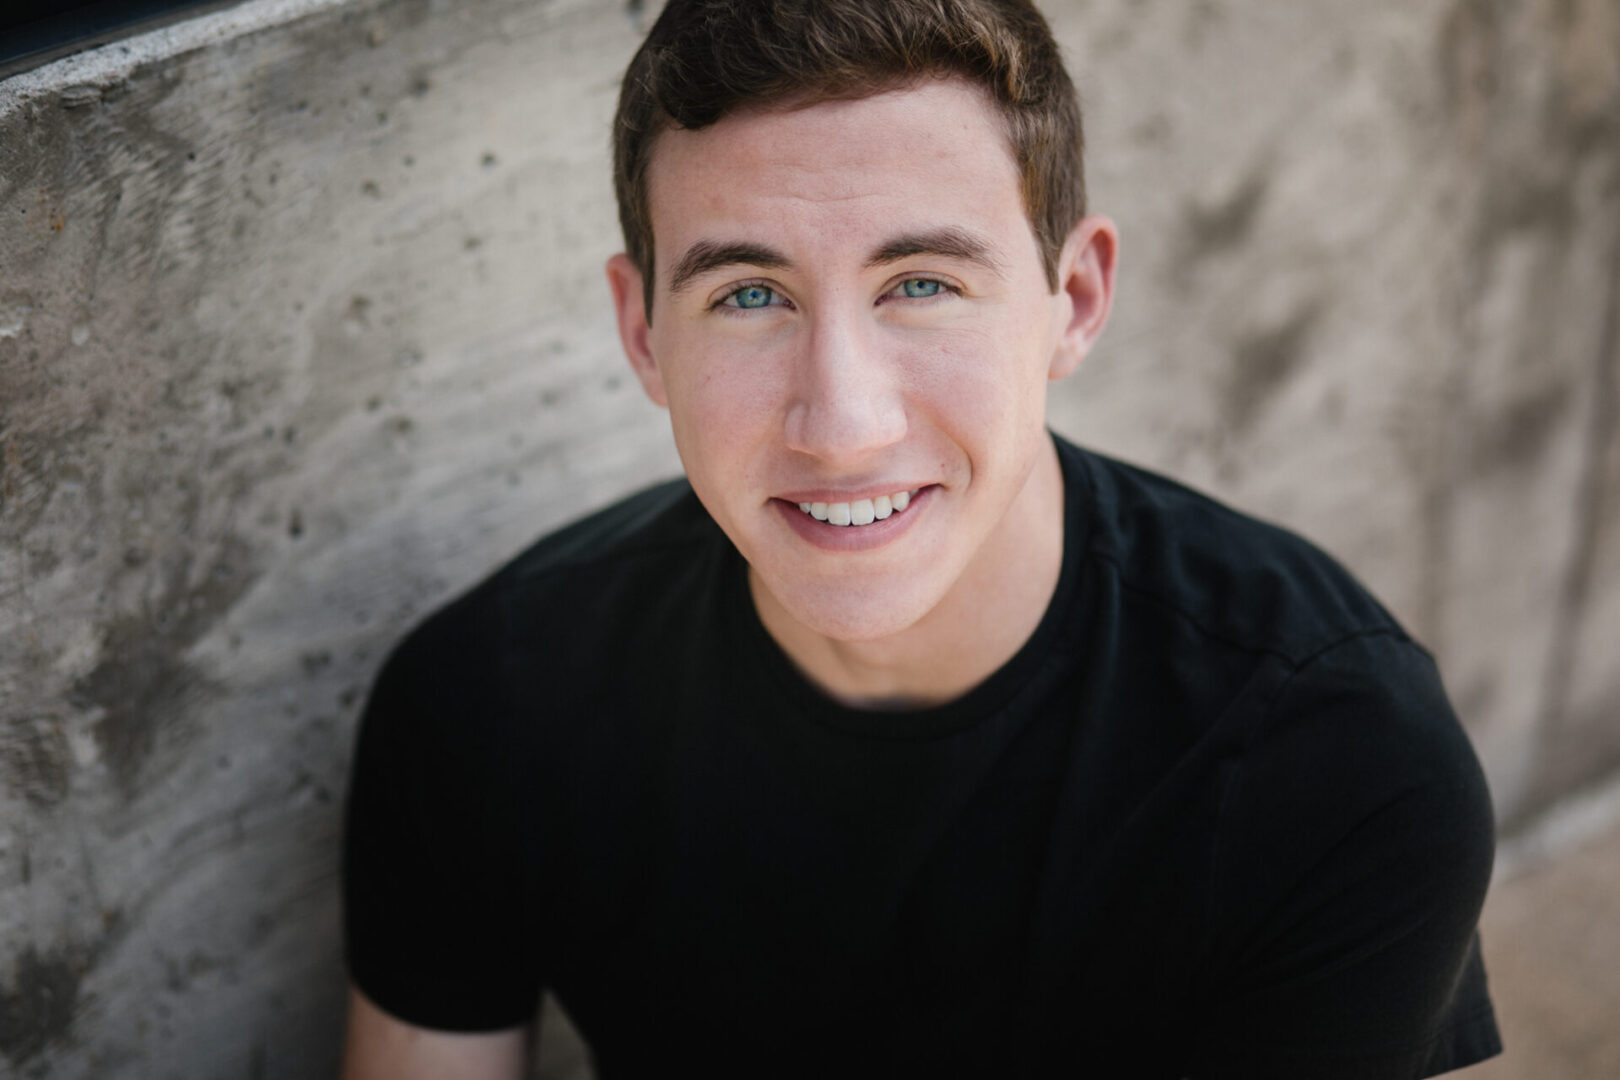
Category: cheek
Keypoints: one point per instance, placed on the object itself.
(723, 402)
(980, 384)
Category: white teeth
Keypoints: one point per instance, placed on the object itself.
(859, 512)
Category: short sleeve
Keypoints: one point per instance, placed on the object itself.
(437, 923)
(1355, 847)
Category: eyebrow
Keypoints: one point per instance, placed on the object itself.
(951, 243)
(706, 255)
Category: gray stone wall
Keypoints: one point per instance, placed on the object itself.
(302, 329)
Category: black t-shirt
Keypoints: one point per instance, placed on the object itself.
(1215, 819)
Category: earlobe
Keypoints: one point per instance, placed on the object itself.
(1086, 290)
(635, 330)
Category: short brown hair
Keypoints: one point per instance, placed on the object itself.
(704, 58)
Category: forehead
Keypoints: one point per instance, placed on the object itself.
(827, 175)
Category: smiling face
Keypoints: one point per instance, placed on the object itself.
(850, 309)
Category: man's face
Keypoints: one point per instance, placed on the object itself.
(850, 304)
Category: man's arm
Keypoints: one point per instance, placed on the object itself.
(436, 913)
(380, 1047)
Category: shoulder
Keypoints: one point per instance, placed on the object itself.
(1241, 581)
(1364, 729)
(654, 522)
(561, 596)
(1329, 713)
(1349, 712)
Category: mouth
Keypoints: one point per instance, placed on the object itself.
(855, 525)
(859, 513)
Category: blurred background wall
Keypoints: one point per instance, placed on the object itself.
(303, 329)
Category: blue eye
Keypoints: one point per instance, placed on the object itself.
(918, 288)
(751, 296)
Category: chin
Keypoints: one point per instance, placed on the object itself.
(873, 615)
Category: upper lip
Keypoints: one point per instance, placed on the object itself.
(833, 495)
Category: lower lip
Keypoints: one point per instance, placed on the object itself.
(854, 537)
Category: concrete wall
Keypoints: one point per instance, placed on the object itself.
(302, 329)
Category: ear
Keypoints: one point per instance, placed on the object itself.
(635, 330)
(1085, 291)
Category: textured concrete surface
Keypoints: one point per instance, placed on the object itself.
(1552, 946)
(302, 329)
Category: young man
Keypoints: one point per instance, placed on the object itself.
(902, 738)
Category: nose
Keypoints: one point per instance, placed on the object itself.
(847, 401)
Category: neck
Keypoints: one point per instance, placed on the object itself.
(986, 617)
